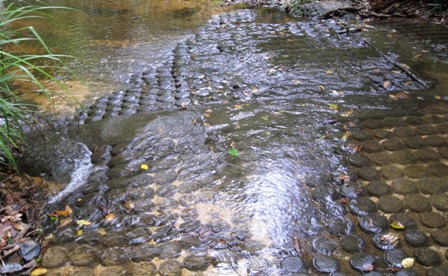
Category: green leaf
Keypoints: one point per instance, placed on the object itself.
(233, 152)
(397, 225)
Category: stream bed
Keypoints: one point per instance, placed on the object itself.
(258, 145)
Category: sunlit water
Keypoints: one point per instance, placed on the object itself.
(111, 40)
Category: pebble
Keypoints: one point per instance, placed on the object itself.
(404, 186)
(359, 160)
(393, 144)
(440, 202)
(384, 244)
(324, 246)
(325, 264)
(374, 223)
(170, 267)
(292, 264)
(390, 204)
(418, 203)
(440, 236)
(352, 244)
(54, 257)
(437, 271)
(196, 263)
(367, 173)
(416, 237)
(394, 257)
(363, 262)
(83, 255)
(433, 185)
(426, 256)
(433, 220)
(362, 206)
(407, 219)
(378, 188)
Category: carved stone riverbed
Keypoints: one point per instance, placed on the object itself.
(299, 190)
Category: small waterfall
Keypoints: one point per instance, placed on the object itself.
(83, 167)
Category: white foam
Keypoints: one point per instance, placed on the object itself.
(79, 176)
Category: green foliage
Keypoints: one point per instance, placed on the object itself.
(17, 65)
(295, 7)
(233, 152)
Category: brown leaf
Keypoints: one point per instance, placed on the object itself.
(110, 216)
(386, 84)
(64, 213)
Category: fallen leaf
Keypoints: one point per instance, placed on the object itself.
(407, 262)
(264, 118)
(79, 232)
(64, 222)
(83, 222)
(346, 135)
(334, 106)
(206, 115)
(329, 72)
(390, 237)
(322, 87)
(338, 93)
(405, 66)
(437, 97)
(206, 124)
(347, 113)
(321, 137)
(38, 271)
(144, 167)
(408, 83)
(418, 56)
(64, 213)
(110, 216)
(101, 231)
(297, 81)
(386, 84)
(397, 225)
(238, 106)
(233, 152)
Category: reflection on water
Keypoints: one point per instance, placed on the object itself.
(113, 39)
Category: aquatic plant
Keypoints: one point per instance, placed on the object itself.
(16, 65)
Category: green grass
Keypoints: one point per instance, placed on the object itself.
(17, 65)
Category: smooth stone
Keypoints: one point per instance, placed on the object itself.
(83, 255)
(371, 146)
(417, 203)
(426, 130)
(141, 268)
(427, 155)
(363, 262)
(144, 252)
(416, 237)
(393, 144)
(378, 188)
(404, 186)
(170, 268)
(393, 122)
(54, 257)
(437, 169)
(440, 236)
(292, 264)
(182, 102)
(414, 142)
(359, 160)
(390, 204)
(352, 190)
(114, 255)
(433, 185)
(367, 173)
(374, 223)
(373, 123)
(440, 202)
(416, 171)
(361, 135)
(352, 244)
(196, 263)
(325, 264)
(114, 271)
(324, 246)
(340, 227)
(391, 172)
(436, 141)
(426, 256)
(437, 271)
(406, 272)
(382, 134)
(406, 219)
(382, 243)
(362, 206)
(404, 132)
(433, 220)
(394, 257)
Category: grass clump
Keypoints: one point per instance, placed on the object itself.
(16, 65)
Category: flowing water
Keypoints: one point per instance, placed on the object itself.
(225, 152)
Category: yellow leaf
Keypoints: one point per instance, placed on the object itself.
(348, 113)
(397, 225)
(83, 222)
(206, 115)
(38, 271)
(407, 262)
(264, 118)
(322, 137)
(437, 97)
(333, 106)
(101, 231)
(386, 84)
(238, 106)
(329, 72)
(346, 135)
(110, 216)
(64, 222)
(79, 232)
(322, 87)
(65, 212)
(144, 167)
